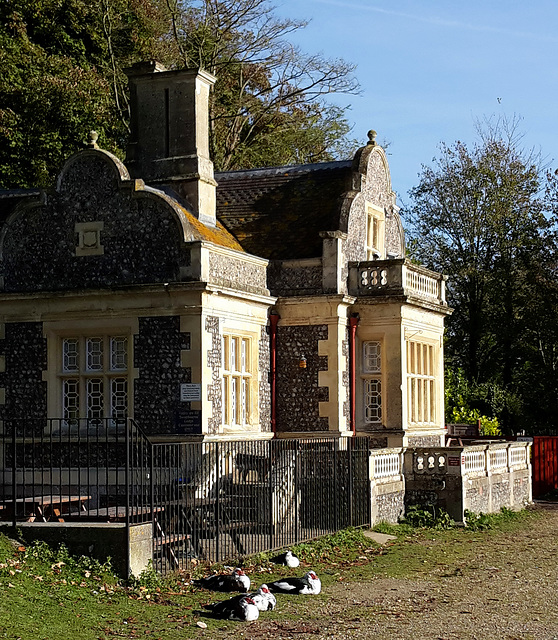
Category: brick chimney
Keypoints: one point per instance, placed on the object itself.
(169, 141)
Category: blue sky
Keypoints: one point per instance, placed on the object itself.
(430, 69)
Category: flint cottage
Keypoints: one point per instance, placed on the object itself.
(189, 361)
(259, 304)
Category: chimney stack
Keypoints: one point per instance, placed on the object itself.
(169, 142)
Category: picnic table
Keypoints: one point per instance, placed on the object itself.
(45, 508)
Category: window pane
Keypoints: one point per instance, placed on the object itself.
(94, 348)
(233, 354)
(372, 360)
(118, 397)
(245, 400)
(94, 389)
(234, 401)
(422, 382)
(226, 400)
(70, 399)
(244, 355)
(372, 401)
(119, 353)
(70, 354)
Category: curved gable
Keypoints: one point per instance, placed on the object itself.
(372, 195)
(99, 229)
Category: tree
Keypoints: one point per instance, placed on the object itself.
(268, 105)
(63, 61)
(478, 215)
(61, 77)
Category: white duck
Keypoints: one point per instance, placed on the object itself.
(241, 608)
(264, 599)
(309, 584)
(236, 581)
(288, 558)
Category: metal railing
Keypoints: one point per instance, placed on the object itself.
(222, 500)
(209, 500)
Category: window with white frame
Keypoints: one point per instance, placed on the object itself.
(372, 381)
(375, 233)
(421, 382)
(94, 377)
(237, 380)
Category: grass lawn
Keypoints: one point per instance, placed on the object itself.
(45, 594)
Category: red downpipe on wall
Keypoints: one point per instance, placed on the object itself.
(353, 322)
(273, 320)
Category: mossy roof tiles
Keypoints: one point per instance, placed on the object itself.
(278, 212)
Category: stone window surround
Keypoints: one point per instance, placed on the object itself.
(252, 377)
(427, 374)
(362, 425)
(375, 218)
(56, 331)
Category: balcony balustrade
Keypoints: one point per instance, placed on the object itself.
(397, 278)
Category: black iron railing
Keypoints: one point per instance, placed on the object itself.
(208, 500)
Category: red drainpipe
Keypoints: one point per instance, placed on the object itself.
(353, 322)
(273, 320)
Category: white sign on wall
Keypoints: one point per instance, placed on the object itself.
(190, 392)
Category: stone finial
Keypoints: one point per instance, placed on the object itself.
(372, 137)
(93, 137)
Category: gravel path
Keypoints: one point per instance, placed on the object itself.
(507, 591)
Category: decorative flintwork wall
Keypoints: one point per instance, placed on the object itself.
(285, 280)
(423, 441)
(375, 189)
(157, 358)
(264, 386)
(345, 384)
(25, 352)
(395, 236)
(298, 392)
(137, 238)
(238, 274)
(214, 388)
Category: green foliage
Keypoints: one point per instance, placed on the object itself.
(148, 580)
(483, 521)
(427, 518)
(40, 553)
(62, 76)
(329, 547)
(477, 521)
(267, 107)
(479, 216)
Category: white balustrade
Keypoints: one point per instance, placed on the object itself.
(422, 284)
(387, 465)
(475, 462)
(518, 457)
(400, 274)
(498, 460)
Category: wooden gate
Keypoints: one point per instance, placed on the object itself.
(545, 465)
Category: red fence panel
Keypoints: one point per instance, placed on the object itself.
(545, 465)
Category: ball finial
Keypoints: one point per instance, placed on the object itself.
(93, 137)
(372, 137)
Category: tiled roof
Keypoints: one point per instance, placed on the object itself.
(278, 212)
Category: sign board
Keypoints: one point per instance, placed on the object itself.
(524, 439)
(190, 392)
(188, 420)
(453, 461)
